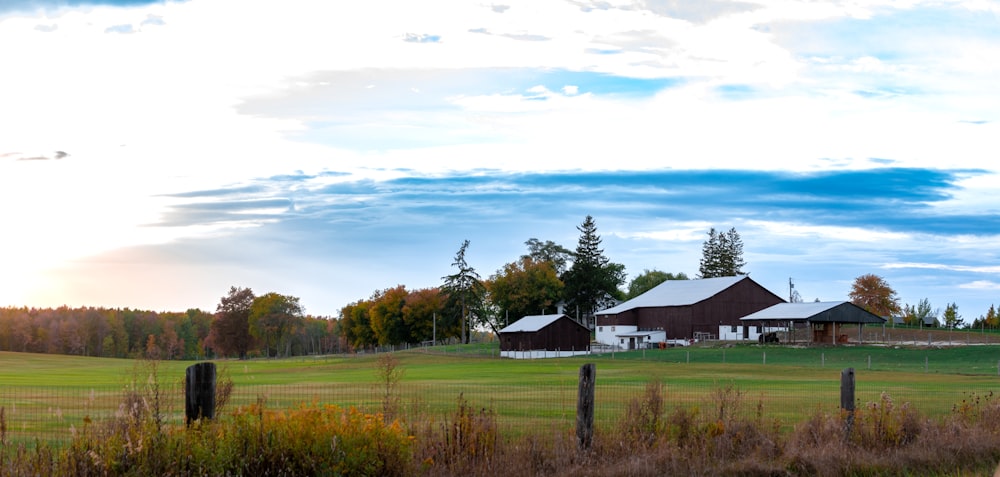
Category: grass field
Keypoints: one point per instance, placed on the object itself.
(44, 396)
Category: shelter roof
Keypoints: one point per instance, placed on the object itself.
(531, 323)
(676, 293)
(816, 312)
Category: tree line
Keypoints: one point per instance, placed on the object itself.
(547, 279)
(544, 280)
(130, 333)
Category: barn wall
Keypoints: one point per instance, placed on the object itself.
(725, 308)
(562, 334)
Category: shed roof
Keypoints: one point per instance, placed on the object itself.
(816, 312)
(531, 323)
(676, 293)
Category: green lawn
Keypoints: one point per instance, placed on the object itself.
(45, 395)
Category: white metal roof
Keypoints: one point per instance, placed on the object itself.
(531, 323)
(792, 311)
(676, 293)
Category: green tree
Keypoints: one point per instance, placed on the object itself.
(874, 294)
(465, 290)
(549, 251)
(649, 279)
(230, 331)
(951, 317)
(521, 288)
(593, 281)
(722, 255)
(273, 318)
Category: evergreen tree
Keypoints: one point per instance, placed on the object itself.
(593, 281)
(722, 255)
(465, 289)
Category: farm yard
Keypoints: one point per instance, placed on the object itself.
(47, 399)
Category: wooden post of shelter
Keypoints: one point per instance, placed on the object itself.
(199, 395)
(847, 399)
(585, 406)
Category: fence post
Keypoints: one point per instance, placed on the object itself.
(847, 399)
(585, 406)
(199, 399)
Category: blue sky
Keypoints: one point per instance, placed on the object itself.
(156, 153)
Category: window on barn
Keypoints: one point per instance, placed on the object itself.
(732, 329)
(600, 329)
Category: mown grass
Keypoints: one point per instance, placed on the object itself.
(51, 394)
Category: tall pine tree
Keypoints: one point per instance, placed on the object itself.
(593, 281)
(465, 289)
(722, 255)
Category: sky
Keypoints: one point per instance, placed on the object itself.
(155, 153)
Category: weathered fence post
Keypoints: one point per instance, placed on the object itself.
(847, 399)
(585, 406)
(199, 399)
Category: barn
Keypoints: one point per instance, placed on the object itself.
(824, 319)
(684, 310)
(544, 336)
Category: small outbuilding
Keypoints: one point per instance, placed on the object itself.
(544, 336)
(825, 319)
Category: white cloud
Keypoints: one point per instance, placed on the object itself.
(983, 285)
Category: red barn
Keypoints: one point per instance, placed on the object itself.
(682, 308)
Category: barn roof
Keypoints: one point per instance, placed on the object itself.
(531, 323)
(676, 293)
(816, 312)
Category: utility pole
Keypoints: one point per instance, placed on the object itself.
(791, 290)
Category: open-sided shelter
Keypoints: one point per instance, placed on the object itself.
(545, 332)
(684, 309)
(824, 319)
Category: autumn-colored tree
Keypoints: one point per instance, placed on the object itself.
(386, 314)
(230, 331)
(420, 310)
(874, 294)
(521, 288)
(356, 324)
(272, 320)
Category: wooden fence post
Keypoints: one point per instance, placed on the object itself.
(847, 399)
(199, 399)
(585, 406)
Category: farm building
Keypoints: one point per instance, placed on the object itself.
(684, 309)
(823, 319)
(544, 336)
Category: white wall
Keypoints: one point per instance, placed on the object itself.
(606, 334)
(726, 332)
(541, 353)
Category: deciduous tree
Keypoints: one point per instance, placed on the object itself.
(549, 251)
(273, 319)
(230, 330)
(951, 317)
(524, 287)
(649, 279)
(874, 294)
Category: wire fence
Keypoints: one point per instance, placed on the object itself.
(52, 414)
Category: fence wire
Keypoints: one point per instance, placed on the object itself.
(52, 414)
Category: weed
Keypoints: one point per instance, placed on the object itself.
(389, 373)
